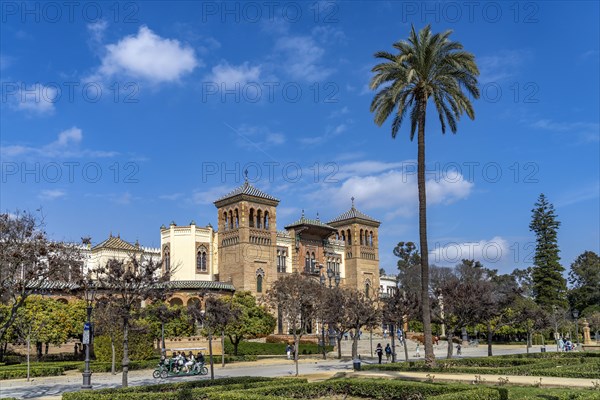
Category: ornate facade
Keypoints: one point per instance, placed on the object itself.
(249, 252)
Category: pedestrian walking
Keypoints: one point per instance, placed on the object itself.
(288, 351)
(388, 352)
(379, 351)
(458, 349)
(418, 353)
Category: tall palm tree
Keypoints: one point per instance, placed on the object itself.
(427, 66)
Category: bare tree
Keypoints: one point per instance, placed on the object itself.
(360, 311)
(297, 299)
(106, 324)
(398, 307)
(332, 301)
(128, 283)
(28, 260)
(466, 298)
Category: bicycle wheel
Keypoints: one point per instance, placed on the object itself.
(156, 374)
(164, 374)
(204, 371)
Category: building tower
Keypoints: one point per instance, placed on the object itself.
(247, 238)
(361, 235)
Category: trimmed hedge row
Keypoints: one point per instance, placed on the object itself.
(369, 388)
(479, 394)
(37, 369)
(192, 390)
(578, 366)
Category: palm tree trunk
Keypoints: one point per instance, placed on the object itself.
(429, 356)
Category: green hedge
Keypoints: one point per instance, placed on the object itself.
(161, 391)
(479, 394)
(18, 371)
(141, 347)
(107, 367)
(571, 365)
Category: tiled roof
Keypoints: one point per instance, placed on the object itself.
(353, 213)
(200, 285)
(308, 221)
(248, 190)
(116, 243)
(51, 285)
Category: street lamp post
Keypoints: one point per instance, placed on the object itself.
(556, 336)
(331, 274)
(576, 316)
(89, 293)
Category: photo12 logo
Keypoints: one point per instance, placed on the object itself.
(69, 11)
(271, 92)
(271, 11)
(69, 172)
(470, 11)
(69, 91)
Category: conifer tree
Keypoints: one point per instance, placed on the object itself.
(549, 285)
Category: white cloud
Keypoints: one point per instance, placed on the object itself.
(34, 99)
(330, 132)
(52, 194)
(490, 251)
(396, 190)
(148, 56)
(172, 196)
(302, 58)
(208, 196)
(258, 137)
(97, 29)
(501, 65)
(230, 75)
(67, 144)
(588, 131)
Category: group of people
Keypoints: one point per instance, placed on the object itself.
(566, 345)
(180, 362)
(380, 350)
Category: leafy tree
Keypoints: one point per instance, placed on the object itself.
(585, 280)
(396, 308)
(524, 281)
(28, 259)
(105, 324)
(409, 263)
(165, 320)
(296, 297)
(252, 320)
(127, 284)
(530, 317)
(549, 285)
(427, 67)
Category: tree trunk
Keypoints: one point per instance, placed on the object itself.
(296, 350)
(355, 345)
(3, 350)
(429, 356)
(38, 350)
(405, 348)
(235, 342)
(339, 345)
(222, 349)
(210, 354)
(490, 333)
(527, 343)
(125, 362)
(28, 356)
(450, 344)
(113, 353)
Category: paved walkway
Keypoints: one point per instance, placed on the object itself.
(313, 368)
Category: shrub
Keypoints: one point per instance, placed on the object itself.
(479, 394)
(141, 347)
(255, 348)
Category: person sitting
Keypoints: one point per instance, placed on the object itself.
(189, 362)
(200, 358)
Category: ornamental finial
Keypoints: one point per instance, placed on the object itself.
(352, 201)
(303, 213)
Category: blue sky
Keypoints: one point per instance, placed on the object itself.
(121, 117)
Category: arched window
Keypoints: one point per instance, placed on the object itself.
(251, 219)
(201, 259)
(225, 220)
(266, 225)
(349, 236)
(368, 288)
(313, 262)
(361, 237)
(259, 280)
(167, 258)
(371, 239)
(258, 219)
(307, 262)
(343, 237)
(237, 219)
(230, 219)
